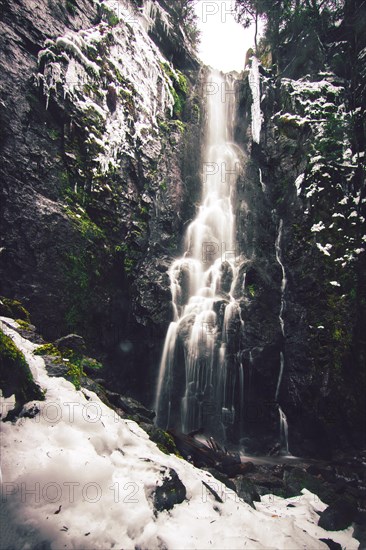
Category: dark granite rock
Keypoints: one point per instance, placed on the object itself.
(246, 490)
(72, 342)
(331, 544)
(169, 493)
(338, 516)
(297, 479)
(131, 406)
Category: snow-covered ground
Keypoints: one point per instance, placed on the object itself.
(78, 476)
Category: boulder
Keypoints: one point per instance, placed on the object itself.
(297, 479)
(331, 544)
(338, 516)
(169, 493)
(131, 407)
(13, 309)
(163, 440)
(71, 342)
(246, 490)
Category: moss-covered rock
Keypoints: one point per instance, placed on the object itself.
(65, 358)
(164, 441)
(15, 375)
(13, 309)
(24, 325)
(48, 349)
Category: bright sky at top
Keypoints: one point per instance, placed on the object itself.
(224, 42)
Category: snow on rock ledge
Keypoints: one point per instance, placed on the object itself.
(114, 77)
(78, 476)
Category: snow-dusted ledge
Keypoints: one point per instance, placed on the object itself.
(78, 476)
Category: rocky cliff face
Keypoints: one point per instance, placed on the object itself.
(97, 123)
(308, 171)
(102, 114)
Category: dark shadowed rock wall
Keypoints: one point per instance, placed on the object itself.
(100, 145)
(311, 157)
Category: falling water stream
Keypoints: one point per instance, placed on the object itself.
(283, 419)
(196, 385)
(200, 384)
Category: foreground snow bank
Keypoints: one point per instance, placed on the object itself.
(78, 476)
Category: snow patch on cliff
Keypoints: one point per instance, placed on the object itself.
(113, 75)
(257, 116)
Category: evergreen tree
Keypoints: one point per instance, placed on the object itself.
(185, 10)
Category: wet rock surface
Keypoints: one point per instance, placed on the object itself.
(246, 490)
(131, 407)
(85, 250)
(334, 483)
(338, 516)
(72, 342)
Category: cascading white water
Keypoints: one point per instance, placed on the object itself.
(282, 366)
(196, 386)
(263, 185)
(284, 278)
(283, 430)
(283, 419)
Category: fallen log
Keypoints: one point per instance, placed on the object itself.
(209, 454)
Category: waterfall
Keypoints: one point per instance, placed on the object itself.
(284, 279)
(282, 366)
(197, 379)
(283, 419)
(283, 430)
(263, 185)
(254, 82)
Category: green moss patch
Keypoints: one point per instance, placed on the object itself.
(163, 440)
(73, 361)
(23, 324)
(47, 349)
(13, 309)
(15, 375)
(178, 88)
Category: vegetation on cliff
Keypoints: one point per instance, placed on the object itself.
(312, 160)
